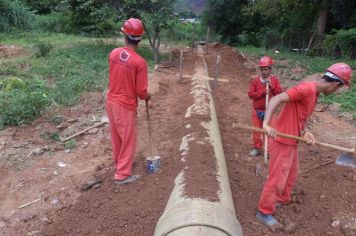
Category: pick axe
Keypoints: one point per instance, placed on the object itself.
(347, 159)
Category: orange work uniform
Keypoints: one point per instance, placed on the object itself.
(127, 81)
(257, 92)
(284, 163)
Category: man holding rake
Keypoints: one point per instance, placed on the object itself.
(258, 92)
(299, 103)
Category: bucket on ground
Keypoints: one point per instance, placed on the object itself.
(153, 164)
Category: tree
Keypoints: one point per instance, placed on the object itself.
(42, 6)
(276, 20)
(156, 16)
(90, 16)
(343, 14)
(224, 17)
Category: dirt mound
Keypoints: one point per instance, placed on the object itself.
(11, 51)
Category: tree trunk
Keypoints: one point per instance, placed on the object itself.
(154, 43)
(322, 18)
(156, 56)
(319, 33)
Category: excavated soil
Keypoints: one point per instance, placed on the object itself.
(34, 167)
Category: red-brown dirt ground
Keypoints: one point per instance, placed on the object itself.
(34, 167)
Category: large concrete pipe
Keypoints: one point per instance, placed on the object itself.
(184, 216)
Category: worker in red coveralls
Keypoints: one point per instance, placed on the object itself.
(300, 102)
(127, 83)
(257, 92)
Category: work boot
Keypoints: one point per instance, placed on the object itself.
(255, 152)
(267, 219)
(129, 179)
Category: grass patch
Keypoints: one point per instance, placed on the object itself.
(29, 39)
(52, 73)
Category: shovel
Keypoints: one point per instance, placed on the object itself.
(153, 161)
(347, 159)
(149, 128)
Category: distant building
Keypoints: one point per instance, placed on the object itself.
(189, 20)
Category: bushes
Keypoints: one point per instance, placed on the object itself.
(340, 43)
(54, 22)
(90, 16)
(42, 49)
(14, 15)
(21, 101)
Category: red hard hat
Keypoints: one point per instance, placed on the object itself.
(265, 61)
(342, 71)
(133, 29)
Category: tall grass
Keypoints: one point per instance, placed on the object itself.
(14, 15)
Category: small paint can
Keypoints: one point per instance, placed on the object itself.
(153, 164)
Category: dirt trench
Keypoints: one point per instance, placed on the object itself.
(323, 201)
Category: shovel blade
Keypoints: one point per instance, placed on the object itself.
(347, 160)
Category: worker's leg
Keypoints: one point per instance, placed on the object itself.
(285, 196)
(281, 161)
(125, 125)
(116, 141)
(256, 136)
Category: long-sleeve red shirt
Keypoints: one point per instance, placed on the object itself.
(127, 77)
(294, 114)
(257, 91)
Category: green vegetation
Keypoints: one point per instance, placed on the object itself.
(52, 66)
(70, 144)
(15, 15)
(52, 74)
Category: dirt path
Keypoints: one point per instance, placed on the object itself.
(322, 196)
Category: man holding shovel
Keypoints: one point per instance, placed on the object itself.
(300, 102)
(127, 81)
(262, 87)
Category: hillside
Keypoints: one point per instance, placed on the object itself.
(196, 6)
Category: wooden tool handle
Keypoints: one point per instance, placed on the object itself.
(83, 131)
(149, 128)
(265, 151)
(336, 147)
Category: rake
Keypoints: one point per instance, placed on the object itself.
(347, 159)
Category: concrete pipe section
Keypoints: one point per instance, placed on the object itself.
(186, 216)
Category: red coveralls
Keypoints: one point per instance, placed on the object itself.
(257, 92)
(127, 81)
(284, 163)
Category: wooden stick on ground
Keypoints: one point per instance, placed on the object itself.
(316, 166)
(83, 131)
(29, 203)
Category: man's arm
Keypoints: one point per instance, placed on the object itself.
(142, 83)
(276, 88)
(271, 108)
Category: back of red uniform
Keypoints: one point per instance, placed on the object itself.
(127, 77)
